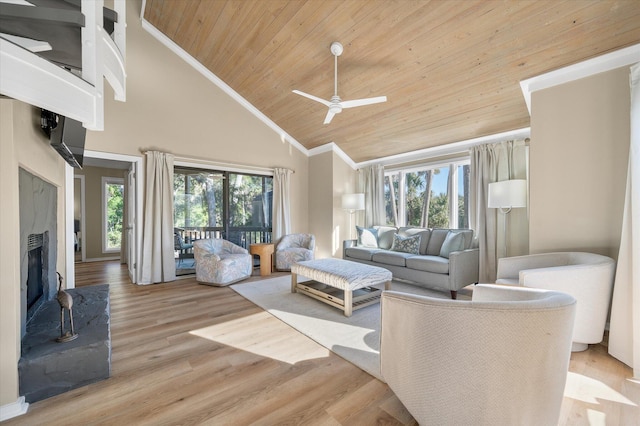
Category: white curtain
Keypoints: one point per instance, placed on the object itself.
(493, 163)
(624, 327)
(281, 203)
(372, 184)
(158, 256)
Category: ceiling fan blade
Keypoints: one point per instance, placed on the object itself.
(361, 102)
(313, 98)
(329, 117)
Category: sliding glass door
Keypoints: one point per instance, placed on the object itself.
(219, 204)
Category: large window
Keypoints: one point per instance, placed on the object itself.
(112, 213)
(222, 204)
(429, 197)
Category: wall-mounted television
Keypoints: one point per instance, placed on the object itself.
(66, 136)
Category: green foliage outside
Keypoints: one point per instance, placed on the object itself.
(416, 185)
(247, 206)
(196, 200)
(115, 214)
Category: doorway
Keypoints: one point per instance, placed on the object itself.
(85, 247)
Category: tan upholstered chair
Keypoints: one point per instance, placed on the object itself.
(499, 359)
(586, 276)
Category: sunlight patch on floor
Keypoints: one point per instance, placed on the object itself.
(357, 336)
(263, 335)
(592, 391)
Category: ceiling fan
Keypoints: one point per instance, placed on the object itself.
(336, 105)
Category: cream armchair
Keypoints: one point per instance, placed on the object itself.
(220, 262)
(499, 359)
(586, 276)
(294, 248)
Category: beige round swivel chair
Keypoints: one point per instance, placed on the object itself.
(499, 359)
(586, 276)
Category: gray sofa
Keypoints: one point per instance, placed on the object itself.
(444, 260)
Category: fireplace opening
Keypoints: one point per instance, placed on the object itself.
(37, 272)
(35, 289)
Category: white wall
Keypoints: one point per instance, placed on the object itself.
(578, 160)
(329, 178)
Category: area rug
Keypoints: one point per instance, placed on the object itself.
(355, 338)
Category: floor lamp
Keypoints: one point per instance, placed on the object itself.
(353, 203)
(507, 195)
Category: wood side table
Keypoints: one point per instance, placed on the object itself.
(265, 251)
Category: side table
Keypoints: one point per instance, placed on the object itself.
(265, 251)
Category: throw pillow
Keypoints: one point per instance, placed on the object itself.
(454, 241)
(367, 237)
(406, 244)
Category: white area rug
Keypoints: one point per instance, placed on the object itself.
(355, 338)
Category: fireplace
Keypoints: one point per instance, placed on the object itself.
(38, 244)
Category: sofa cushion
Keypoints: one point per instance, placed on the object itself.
(361, 253)
(367, 237)
(439, 235)
(435, 264)
(406, 244)
(389, 257)
(453, 242)
(424, 233)
(385, 236)
(435, 242)
(468, 237)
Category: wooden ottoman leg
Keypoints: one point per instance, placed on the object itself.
(294, 282)
(387, 285)
(348, 303)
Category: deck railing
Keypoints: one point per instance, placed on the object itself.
(243, 236)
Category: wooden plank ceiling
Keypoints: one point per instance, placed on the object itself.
(450, 69)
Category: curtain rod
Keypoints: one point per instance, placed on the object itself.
(195, 162)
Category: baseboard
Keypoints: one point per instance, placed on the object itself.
(15, 409)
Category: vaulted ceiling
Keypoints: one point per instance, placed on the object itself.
(450, 69)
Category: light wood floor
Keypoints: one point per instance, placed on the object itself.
(184, 353)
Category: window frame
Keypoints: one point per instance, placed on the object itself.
(225, 173)
(401, 172)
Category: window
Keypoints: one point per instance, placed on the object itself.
(429, 197)
(222, 204)
(112, 213)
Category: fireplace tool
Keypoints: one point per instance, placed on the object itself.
(66, 302)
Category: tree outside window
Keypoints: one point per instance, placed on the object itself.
(113, 213)
(222, 204)
(421, 197)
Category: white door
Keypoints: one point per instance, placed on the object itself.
(131, 223)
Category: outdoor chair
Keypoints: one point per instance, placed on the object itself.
(179, 245)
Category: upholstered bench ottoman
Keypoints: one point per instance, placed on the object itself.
(340, 283)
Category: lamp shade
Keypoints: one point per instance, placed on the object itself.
(353, 201)
(508, 194)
